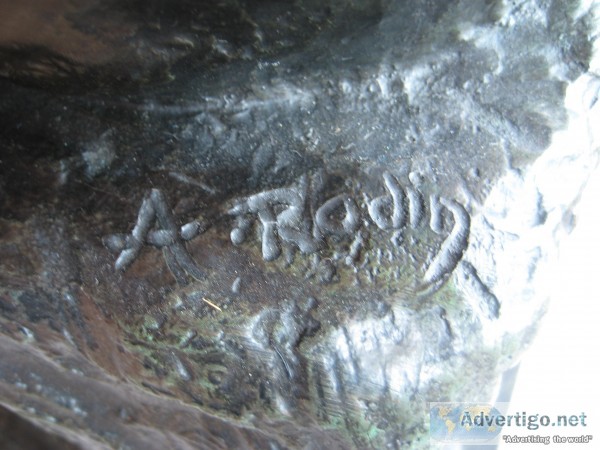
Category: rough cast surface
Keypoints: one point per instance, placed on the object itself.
(250, 225)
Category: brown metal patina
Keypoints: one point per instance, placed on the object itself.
(256, 225)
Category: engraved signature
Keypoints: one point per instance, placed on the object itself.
(287, 216)
(156, 211)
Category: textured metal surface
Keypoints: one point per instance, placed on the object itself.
(249, 225)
